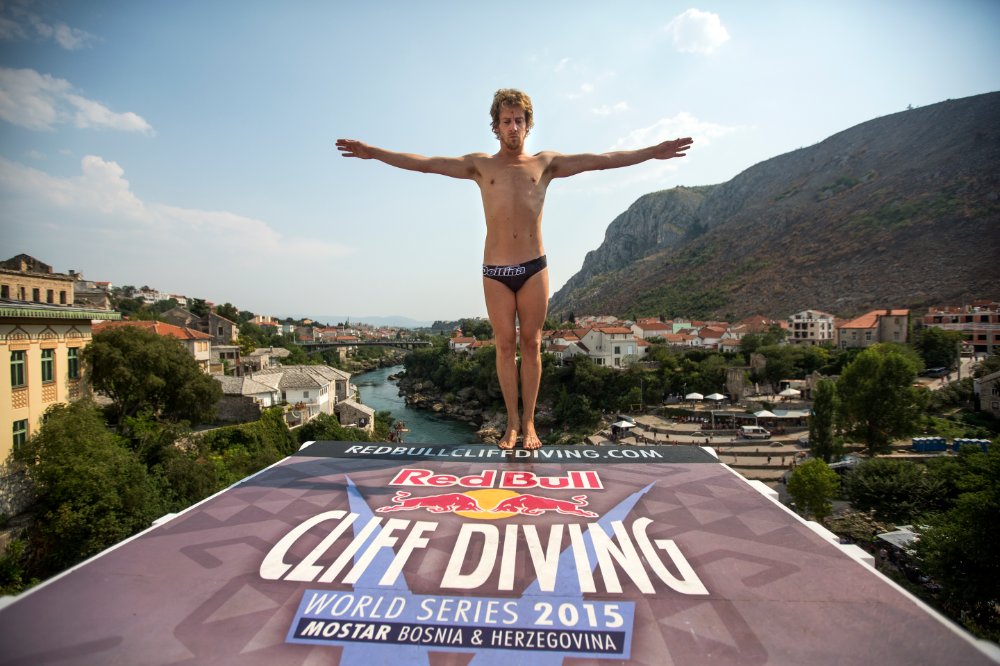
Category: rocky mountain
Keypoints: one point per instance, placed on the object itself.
(900, 211)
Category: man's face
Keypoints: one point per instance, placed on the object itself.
(513, 127)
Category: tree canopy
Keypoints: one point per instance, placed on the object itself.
(878, 400)
(823, 442)
(141, 371)
(813, 485)
(91, 490)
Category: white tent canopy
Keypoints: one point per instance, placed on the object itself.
(623, 424)
(789, 392)
(764, 414)
(715, 396)
(694, 396)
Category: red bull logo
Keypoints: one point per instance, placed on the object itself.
(491, 478)
(489, 504)
(535, 505)
(445, 503)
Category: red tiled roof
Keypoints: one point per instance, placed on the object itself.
(158, 327)
(870, 319)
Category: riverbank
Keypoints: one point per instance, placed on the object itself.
(380, 392)
(464, 405)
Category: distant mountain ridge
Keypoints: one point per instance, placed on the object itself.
(900, 211)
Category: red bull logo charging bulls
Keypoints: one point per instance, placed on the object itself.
(527, 504)
(493, 493)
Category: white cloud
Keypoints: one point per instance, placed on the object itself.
(695, 31)
(72, 39)
(13, 26)
(40, 102)
(98, 207)
(606, 110)
(681, 125)
(584, 90)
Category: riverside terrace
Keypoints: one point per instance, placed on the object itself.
(350, 553)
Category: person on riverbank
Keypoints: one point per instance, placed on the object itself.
(515, 274)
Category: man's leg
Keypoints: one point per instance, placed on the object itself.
(532, 305)
(501, 306)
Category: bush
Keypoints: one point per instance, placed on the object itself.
(92, 491)
(896, 490)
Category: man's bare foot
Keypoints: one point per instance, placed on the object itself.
(531, 440)
(509, 440)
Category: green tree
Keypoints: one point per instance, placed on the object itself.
(813, 486)
(990, 365)
(229, 311)
(327, 427)
(958, 546)
(878, 400)
(247, 345)
(823, 442)
(896, 490)
(937, 347)
(141, 371)
(91, 490)
(198, 306)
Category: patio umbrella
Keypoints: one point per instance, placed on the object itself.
(623, 424)
(715, 396)
(694, 396)
(764, 414)
(789, 392)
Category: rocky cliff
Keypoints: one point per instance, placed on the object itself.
(900, 211)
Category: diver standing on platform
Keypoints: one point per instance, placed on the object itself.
(515, 276)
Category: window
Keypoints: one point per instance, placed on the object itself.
(73, 362)
(36, 294)
(17, 369)
(305, 394)
(48, 365)
(50, 296)
(5, 291)
(62, 298)
(20, 433)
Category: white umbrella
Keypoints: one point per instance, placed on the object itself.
(764, 414)
(788, 392)
(694, 396)
(715, 396)
(623, 424)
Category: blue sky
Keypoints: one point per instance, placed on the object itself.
(188, 146)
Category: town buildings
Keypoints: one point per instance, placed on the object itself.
(978, 321)
(986, 392)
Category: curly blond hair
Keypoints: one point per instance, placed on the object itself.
(511, 97)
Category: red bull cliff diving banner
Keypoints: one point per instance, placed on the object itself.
(373, 554)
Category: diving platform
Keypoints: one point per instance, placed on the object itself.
(358, 553)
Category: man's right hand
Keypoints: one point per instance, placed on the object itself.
(354, 148)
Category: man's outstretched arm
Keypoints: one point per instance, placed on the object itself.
(456, 167)
(563, 166)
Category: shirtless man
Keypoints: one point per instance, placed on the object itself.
(515, 277)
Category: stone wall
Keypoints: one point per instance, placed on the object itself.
(16, 491)
(237, 409)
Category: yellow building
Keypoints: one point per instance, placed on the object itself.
(872, 328)
(41, 345)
